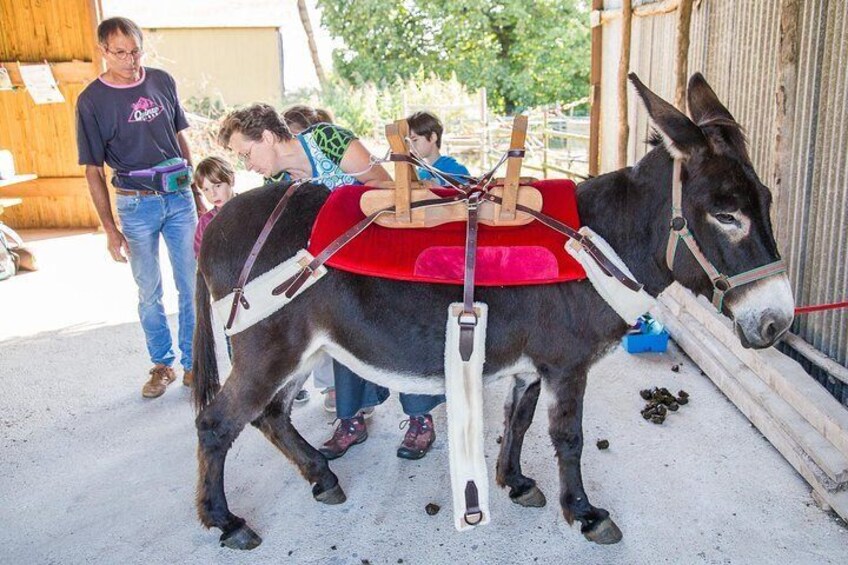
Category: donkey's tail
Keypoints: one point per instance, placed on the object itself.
(205, 363)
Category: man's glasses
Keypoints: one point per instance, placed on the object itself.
(123, 55)
(244, 158)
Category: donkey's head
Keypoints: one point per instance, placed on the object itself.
(725, 246)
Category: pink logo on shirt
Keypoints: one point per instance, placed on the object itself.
(145, 110)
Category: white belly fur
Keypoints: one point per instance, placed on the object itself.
(413, 383)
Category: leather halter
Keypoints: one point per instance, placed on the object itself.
(679, 230)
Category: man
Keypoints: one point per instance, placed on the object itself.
(130, 119)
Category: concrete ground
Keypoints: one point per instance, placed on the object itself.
(93, 473)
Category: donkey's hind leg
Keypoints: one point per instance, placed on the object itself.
(218, 425)
(566, 429)
(518, 415)
(275, 423)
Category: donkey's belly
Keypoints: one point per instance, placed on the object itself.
(409, 382)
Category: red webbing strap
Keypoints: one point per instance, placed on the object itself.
(239, 298)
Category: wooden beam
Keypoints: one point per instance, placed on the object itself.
(513, 168)
(681, 66)
(644, 11)
(595, 89)
(397, 133)
(785, 100)
(46, 187)
(65, 72)
(623, 69)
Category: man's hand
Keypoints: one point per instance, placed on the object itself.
(117, 245)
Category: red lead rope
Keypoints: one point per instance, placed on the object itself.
(820, 307)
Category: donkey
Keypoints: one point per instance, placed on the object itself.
(392, 332)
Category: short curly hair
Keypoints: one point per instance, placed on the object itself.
(251, 121)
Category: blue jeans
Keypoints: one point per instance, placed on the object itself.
(144, 219)
(353, 393)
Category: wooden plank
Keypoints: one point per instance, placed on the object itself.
(595, 89)
(513, 168)
(65, 72)
(778, 371)
(8, 203)
(681, 72)
(396, 134)
(17, 179)
(47, 187)
(623, 70)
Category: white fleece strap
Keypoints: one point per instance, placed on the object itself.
(627, 303)
(464, 392)
(258, 293)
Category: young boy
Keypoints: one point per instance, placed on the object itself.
(425, 133)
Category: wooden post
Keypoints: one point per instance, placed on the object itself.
(623, 69)
(513, 169)
(684, 20)
(94, 13)
(595, 89)
(397, 133)
(787, 81)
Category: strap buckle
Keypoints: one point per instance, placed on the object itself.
(468, 319)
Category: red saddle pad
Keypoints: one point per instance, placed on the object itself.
(506, 256)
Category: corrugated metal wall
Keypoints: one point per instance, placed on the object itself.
(736, 46)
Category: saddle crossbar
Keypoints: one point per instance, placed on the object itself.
(405, 174)
(513, 168)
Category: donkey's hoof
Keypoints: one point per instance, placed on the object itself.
(334, 495)
(604, 532)
(241, 538)
(533, 498)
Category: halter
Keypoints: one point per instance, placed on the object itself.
(679, 230)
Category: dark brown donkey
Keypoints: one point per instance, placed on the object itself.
(393, 332)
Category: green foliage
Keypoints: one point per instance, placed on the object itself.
(524, 53)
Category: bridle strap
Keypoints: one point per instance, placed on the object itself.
(679, 230)
(468, 318)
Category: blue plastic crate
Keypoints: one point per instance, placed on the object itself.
(649, 335)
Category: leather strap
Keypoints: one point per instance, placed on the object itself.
(473, 514)
(239, 298)
(468, 317)
(293, 284)
(124, 192)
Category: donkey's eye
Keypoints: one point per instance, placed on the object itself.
(726, 218)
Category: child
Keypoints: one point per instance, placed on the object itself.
(216, 178)
(425, 133)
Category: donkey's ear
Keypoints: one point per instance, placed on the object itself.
(704, 105)
(680, 136)
(720, 128)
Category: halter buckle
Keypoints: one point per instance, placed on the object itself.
(678, 223)
(721, 284)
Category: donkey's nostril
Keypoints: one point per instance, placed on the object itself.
(769, 331)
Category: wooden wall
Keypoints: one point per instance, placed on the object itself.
(42, 138)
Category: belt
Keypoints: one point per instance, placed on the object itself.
(123, 192)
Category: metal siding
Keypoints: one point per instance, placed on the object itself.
(736, 46)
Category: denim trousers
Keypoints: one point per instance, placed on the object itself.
(144, 219)
(353, 393)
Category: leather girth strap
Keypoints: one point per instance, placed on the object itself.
(468, 318)
(238, 298)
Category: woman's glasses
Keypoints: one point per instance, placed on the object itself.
(124, 55)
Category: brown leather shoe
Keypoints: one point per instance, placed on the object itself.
(419, 437)
(160, 377)
(348, 432)
(188, 378)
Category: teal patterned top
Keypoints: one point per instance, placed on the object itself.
(325, 145)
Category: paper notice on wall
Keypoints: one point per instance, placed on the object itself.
(5, 79)
(40, 84)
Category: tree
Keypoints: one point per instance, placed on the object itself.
(524, 53)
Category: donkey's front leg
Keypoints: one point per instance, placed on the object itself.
(566, 429)
(519, 408)
(218, 425)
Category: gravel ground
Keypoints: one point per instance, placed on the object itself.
(94, 473)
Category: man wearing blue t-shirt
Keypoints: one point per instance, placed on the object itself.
(425, 133)
(130, 119)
